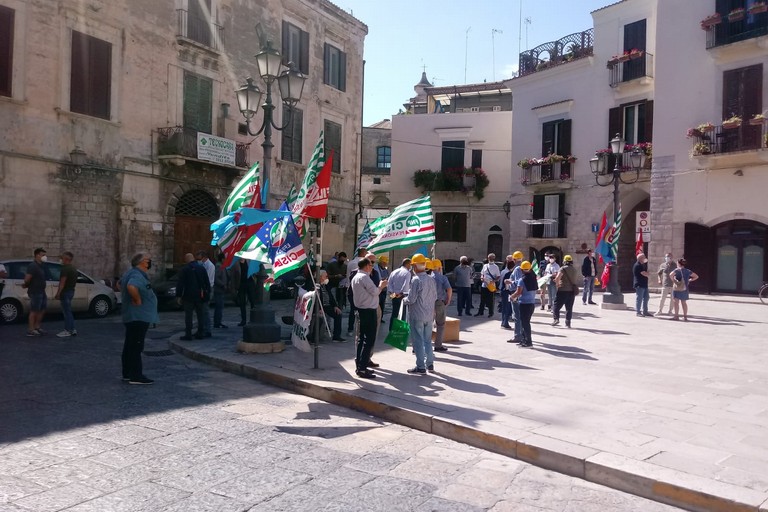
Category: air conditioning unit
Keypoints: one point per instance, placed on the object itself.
(497, 108)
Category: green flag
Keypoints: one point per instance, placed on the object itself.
(409, 224)
(243, 191)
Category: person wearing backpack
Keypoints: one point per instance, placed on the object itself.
(525, 295)
(567, 289)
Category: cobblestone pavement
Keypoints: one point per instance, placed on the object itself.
(74, 437)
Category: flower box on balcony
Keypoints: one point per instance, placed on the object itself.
(711, 21)
(701, 148)
(758, 7)
(757, 120)
(736, 14)
(731, 123)
(635, 54)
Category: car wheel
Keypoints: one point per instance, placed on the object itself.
(10, 311)
(100, 306)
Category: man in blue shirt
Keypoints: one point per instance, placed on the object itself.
(525, 295)
(444, 293)
(421, 313)
(398, 286)
(139, 310)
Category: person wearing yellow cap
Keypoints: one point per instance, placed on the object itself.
(509, 282)
(489, 277)
(525, 296)
(567, 288)
(444, 293)
(421, 313)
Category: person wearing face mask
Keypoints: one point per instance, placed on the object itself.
(589, 272)
(490, 274)
(552, 270)
(505, 291)
(34, 282)
(665, 269)
(139, 310)
(330, 306)
(444, 294)
(514, 277)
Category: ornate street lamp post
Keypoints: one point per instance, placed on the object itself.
(290, 82)
(620, 174)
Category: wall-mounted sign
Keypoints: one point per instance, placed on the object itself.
(215, 149)
(643, 223)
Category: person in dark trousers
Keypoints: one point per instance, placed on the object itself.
(640, 283)
(489, 275)
(589, 272)
(246, 288)
(34, 282)
(220, 287)
(66, 292)
(463, 275)
(366, 301)
(192, 291)
(525, 295)
(565, 280)
(337, 272)
(139, 310)
(330, 306)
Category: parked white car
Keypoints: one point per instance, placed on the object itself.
(90, 294)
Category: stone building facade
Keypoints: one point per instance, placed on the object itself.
(375, 180)
(126, 87)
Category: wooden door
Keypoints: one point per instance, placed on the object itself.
(191, 234)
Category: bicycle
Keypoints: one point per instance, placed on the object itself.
(763, 293)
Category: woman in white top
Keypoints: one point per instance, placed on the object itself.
(552, 269)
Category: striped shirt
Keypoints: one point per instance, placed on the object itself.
(421, 299)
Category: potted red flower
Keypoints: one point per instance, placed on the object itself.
(737, 14)
(634, 53)
(711, 20)
(758, 7)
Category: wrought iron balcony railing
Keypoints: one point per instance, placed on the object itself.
(545, 173)
(199, 30)
(547, 228)
(553, 53)
(721, 139)
(728, 31)
(630, 67)
(182, 142)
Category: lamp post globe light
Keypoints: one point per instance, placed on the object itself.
(605, 178)
(262, 327)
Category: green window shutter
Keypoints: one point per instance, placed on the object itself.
(304, 54)
(205, 106)
(198, 102)
(327, 64)
(342, 71)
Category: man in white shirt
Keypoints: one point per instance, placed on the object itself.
(365, 295)
(489, 274)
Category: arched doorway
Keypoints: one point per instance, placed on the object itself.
(496, 243)
(740, 256)
(195, 212)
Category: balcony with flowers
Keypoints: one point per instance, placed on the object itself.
(736, 141)
(555, 53)
(549, 169)
(467, 180)
(741, 23)
(632, 65)
(606, 159)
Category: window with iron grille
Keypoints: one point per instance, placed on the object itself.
(197, 203)
(199, 21)
(198, 102)
(335, 67)
(296, 47)
(383, 157)
(292, 135)
(90, 76)
(333, 142)
(6, 50)
(451, 227)
(453, 155)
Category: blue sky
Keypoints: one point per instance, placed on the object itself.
(404, 35)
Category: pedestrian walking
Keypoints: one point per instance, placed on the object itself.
(210, 270)
(192, 292)
(366, 301)
(640, 283)
(489, 283)
(463, 275)
(589, 272)
(139, 305)
(665, 269)
(567, 289)
(421, 313)
(444, 294)
(66, 292)
(551, 270)
(398, 286)
(34, 282)
(220, 287)
(525, 295)
(682, 277)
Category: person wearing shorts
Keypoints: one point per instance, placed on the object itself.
(34, 282)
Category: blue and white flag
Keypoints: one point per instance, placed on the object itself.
(277, 246)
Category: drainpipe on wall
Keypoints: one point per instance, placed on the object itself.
(359, 194)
